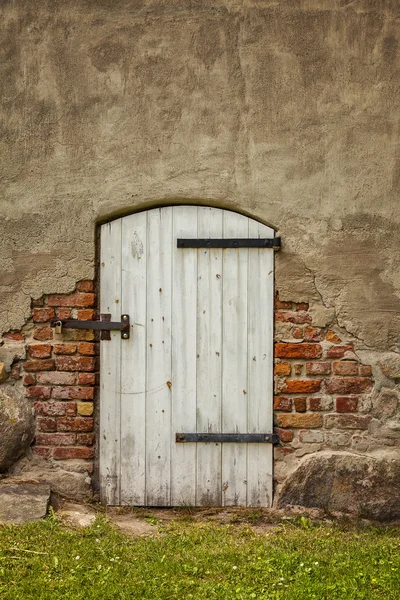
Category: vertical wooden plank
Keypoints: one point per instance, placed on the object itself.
(133, 360)
(184, 301)
(234, 361)
(209, 357)
(158, 357)
(110, 364)
(260, 366)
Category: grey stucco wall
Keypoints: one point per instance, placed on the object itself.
(285, 110)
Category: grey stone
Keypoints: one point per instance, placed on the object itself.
(23, 502)
(390, 365)
(17, 425)
(342, 482)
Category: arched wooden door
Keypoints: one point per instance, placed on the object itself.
(199, 359)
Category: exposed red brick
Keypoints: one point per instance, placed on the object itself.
(86, 378)
(318, 368)
(73, 393)
(338, 351)
(79, 299)
(53, 378)
(16, 336)
(39, 365)
(298, 369)
(78, 335)
(315, 404)
(282, 305)
(347, 421)
(332, 337)
(86, 285)
(86, 314)
(64, 313)
(55, 409)
(280, 452)
(43, 333)
(313, 334)
(42, 452)
(73, 452)
(285, 435)
(38, 391)
(64, 348)
(46, 424)
(39, 350)
(86, 348)
(346, 404)
(365, 370)
(281, 403)
(43, 315)
(299, 420)
(282, 369)
(75, 424)
(348, 385)
(74, 363)
(85, 439)
(16, 371)
(302, 306)
(297, 333)
(293, 317)
(55, 439)
(345, 368)
(300, 404)
(29, 379)
(301, 386)
(298, 350)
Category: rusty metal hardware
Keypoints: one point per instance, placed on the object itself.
(274, 243)
(105, 325)
(258, 438)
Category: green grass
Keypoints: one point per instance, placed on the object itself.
(46, 560)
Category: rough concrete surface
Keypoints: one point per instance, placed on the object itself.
(286, 111)
(23, 502)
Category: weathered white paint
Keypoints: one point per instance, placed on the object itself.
(199, 359)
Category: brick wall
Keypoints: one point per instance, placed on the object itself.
(59, 375)
(321, 387)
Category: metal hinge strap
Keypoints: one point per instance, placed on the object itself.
(274, 243)
(257, 438)
(105, 325)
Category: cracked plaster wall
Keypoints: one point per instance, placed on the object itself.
(287, 111)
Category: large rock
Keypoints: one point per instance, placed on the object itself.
(343, 482)
(23, 502)
(390, 365)
(17, 425)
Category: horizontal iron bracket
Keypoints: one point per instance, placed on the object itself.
(274, 243)
(257, 438)
(105, 325)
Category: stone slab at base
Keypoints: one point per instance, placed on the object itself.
(23, 502)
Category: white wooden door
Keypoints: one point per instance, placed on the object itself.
(199, 359)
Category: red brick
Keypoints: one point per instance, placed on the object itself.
(365, 370)
(74, 363)
(38, 391)
(29, 379)
(86, 348)
(345, 368)
(282, 369)
(55, 409)
(280, 452)
(284, 404)
(313, 334)
(39, 365)
(43, 333)
(55, 439)
(64, 313)
(39, 350)
(85, 439)
(285, 435)
(75, 424)
(347, 421)
(332, 337)
(346, 404)
(300, 404)
(298, 350)
(16, 371)
(85, 314)
(315, 404)
(16, 336)
(301, 386)
(302, 306)
(79, 299)
(299, 420)
(64, 348)
(86, 378)
(348, 385)
(46, 424)
(298, 369)
(297, 333)
(318, 368)
(73, 393)
(338, 351)
(73, 452)
(43, 315)
(293, 317)
(282, 305)
(42, 452)
(86, 285)
(53, 378)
